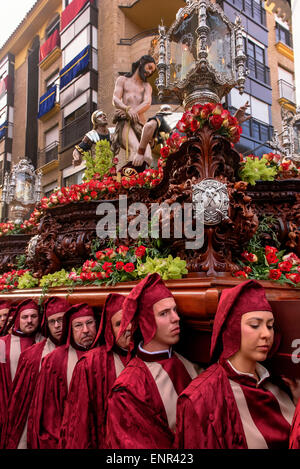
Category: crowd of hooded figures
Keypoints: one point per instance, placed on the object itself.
(80, 377)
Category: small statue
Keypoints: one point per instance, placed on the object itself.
(100, 132)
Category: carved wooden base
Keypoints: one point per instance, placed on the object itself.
(12, 246)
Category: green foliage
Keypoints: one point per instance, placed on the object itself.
(255, 169)
(167, 268)
(58, 279)
(21, 262)
(99, 163)
(27, 281)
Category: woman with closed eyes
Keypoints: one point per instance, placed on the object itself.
(234, 404)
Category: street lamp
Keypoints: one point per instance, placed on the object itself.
(201, 56)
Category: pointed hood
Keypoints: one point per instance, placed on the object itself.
(74, 312)
(105, 335)
(53, 305)
(234, 302)
(138, 306)
(22, 306)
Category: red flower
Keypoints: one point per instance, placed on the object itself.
(285, 266)
(275, 274)
(294, 277)
(122, 250)
(119, 265)
(240, 273)
(247, 269)
(216, 122)
(129, 267)
(181, 126)
(196, 109)
(107, 265)
(165, 151)
(271, 258)
(140, 251)
(195, 125)
(270, 249)
(248, 256)
(100, 255)
(94, 195)
(110, 253)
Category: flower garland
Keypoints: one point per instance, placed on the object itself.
(110, 266)
(214, 115)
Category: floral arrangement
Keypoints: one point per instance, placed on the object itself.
(267, 168)
(124, 264)
(101, 163)
(271, 265)
(10, 280)
(11, 228)
(214, 115)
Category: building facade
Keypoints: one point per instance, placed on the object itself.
(62, 61)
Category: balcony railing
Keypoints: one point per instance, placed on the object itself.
(138, 37)
(286, 91)
(74, 131)
(48, 154)
(258, 70)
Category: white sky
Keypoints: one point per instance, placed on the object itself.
(12, 13)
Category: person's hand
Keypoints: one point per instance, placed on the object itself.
(133, 115)
(240, 114)
(294, 385)
(120, 113)
(77, 158)
(138, 159)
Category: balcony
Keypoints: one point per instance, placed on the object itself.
(48, 157)
(258, 70)
(287, 95)
(50, 51)
(73, 132)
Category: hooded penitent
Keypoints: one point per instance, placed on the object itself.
(27, 375)
(83, 426)
(75, 312)
(24, 305)
(138, 306)
(4, 304)
(54, 305)
(234, 302)
(105, 335)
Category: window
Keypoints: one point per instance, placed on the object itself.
(256, 61)
(252, 8)
(54, 25)
(76, 46)
(75, 114)
(74, 178)
(53, 81)
(283, 35)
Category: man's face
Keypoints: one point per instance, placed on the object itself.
(124, 340)
(3, 316)
(167, 324)
(145, 71)
(84, 330)
(29, 321)
(55, 325)
(101, 118)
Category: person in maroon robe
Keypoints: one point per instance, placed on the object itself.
(25, 332)
(47, 405)
(28, 369)
(142, 404)
(4, 312)
(234, 404)
(295, 430)
(83, 425)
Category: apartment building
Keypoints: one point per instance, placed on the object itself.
(61, 63)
